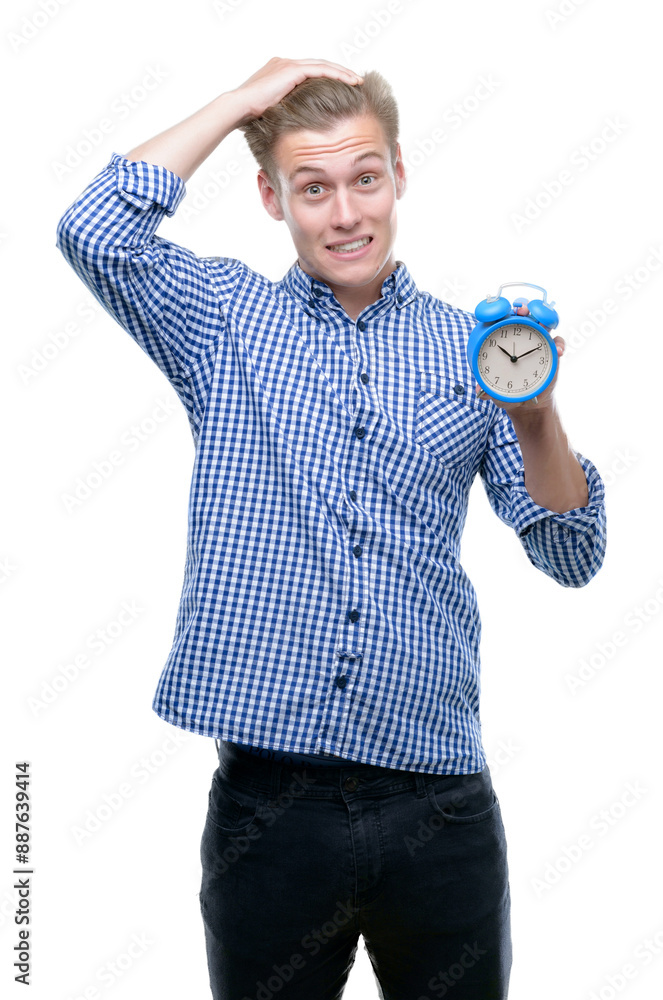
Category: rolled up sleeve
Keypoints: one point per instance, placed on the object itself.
(162, 294)
(570, 546)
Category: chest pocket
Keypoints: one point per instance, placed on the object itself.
(450, 421)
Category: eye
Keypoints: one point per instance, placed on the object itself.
(313, 189)
(366, 177)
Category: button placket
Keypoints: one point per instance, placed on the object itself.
(351, 635)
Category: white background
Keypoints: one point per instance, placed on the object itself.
(560, 72)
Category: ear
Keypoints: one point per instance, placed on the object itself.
(399, 173)
(270, 198)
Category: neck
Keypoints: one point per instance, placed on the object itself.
(354, 300)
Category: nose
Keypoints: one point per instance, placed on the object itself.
(345, 210)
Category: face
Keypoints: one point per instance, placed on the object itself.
(338, 198)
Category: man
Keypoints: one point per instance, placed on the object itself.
(327, 634)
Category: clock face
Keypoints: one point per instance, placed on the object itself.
(515, 360)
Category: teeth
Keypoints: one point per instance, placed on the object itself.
(347, 247)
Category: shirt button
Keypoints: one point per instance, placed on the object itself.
(399, 298)
(357, 550)
(459, 390)
(360, 431)
(353, 616)
(353, 495)
(361, 325)
(341, 682)
(364, 377)
(318, 292)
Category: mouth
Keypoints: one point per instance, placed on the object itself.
(351, 248)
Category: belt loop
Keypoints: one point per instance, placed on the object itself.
(420, 784)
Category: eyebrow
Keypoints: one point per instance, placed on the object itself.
(312, 169)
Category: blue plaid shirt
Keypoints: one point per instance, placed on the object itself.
(324, 607)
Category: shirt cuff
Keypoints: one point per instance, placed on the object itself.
(145, 184)
(525, 512)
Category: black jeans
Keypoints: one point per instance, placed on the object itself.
(298, 862)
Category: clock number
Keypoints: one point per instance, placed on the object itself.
(509, 385)
(497, 378)
(503, 334)
(492, 342)
(542, 361)
(526, 383)
(484, 355)
(486, 369)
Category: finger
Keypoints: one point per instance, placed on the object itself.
(326, 64)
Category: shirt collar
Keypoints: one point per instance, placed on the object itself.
(397, 289)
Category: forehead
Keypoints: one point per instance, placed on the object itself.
(336, 148)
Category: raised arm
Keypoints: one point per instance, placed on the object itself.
(182, 148)
(166, 297)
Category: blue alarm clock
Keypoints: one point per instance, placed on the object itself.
(513, 357)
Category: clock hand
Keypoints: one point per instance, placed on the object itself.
(511, 357)
(529, 352)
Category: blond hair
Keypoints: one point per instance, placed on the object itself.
(317, 104)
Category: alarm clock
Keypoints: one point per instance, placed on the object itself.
(513, 358)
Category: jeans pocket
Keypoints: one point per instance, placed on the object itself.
(232, 806)
(450, 422)
(463, 798)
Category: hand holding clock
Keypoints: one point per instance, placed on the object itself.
(553, 475)
(544, 398)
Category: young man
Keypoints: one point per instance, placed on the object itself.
(327, 634)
